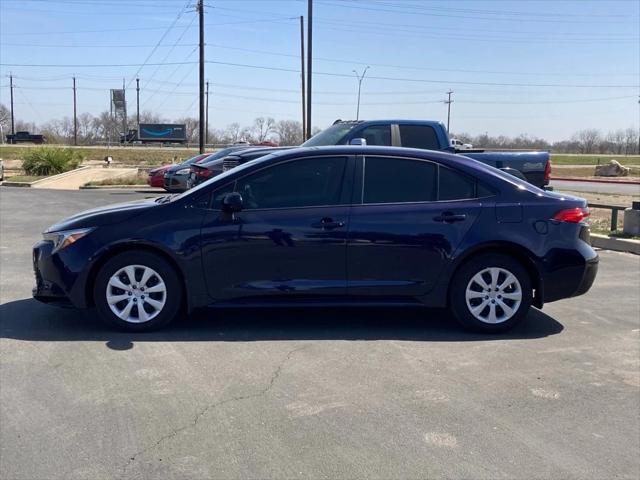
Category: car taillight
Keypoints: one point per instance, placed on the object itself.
(572, 215)
(547, 172)
(203, 172)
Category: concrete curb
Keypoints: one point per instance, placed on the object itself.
(615, 244)
(593, 180)
(16, 184)
(107, 187)
(59, 175)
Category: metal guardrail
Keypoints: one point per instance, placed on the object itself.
(614, 213)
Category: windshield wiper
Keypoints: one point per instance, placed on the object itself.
(166, 198)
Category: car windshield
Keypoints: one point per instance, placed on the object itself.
(331, 136)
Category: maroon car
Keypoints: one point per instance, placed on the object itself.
(156, 175)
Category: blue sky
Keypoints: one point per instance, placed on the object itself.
(545, 68)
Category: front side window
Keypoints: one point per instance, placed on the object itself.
(376, 135)
(419, 136)
(300, 183)
(397, 180)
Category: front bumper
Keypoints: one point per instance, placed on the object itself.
(56, 282)
(156, 180)
(175, 182)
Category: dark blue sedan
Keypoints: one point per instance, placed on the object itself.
(331, 226)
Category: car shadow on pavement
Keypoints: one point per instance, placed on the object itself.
(32, 321)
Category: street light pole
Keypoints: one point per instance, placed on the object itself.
(360, 78)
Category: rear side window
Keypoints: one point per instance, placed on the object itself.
(396, 180)
(419, 136)
(455, 185)
(376, 135)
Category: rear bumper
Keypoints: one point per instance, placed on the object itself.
(573, 274)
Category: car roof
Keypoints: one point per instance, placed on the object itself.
(466, 164)
(405, 121)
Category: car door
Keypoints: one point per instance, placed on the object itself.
(408, 217)
(290, 237)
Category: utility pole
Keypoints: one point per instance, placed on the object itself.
(138, 105)
(360, 78)
(304, 109)
(206, 118)
(75, 114)
(200, 8)
(124, 116)
(448, 102)
(13, 129)
(309, 62)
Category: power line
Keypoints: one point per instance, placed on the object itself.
(169, 28)
(447, 15)
(332, 74)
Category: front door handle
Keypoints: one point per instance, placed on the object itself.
(450, 217)
(327, 224)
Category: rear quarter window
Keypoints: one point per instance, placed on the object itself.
(419, 136)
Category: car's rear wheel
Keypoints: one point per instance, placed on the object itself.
(137, 291)
(491, 293)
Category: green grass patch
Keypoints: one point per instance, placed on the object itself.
(24, 178)
(561, 159)
(138, 179)
(144, 156)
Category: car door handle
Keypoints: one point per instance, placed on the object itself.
(450, 217)
(327, 224)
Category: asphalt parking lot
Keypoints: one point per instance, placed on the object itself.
(347, 393)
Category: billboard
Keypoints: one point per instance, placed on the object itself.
(118, 99)
(162, 132)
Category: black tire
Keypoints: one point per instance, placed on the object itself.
(172, 295)
(461, 281)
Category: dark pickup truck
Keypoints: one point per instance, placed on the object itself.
(25, 137)
(535, 167)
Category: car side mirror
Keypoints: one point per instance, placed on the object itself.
(358, 141)
(232, 203)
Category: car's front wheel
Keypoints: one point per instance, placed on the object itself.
(491, 293)
(137, 291)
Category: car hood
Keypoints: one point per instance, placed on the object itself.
(160, 169)
(106, 215)
(175, 168)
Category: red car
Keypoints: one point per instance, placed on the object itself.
(156, 175)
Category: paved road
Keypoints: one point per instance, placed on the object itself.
(337, 394)
(600, 187)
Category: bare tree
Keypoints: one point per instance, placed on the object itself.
(631, 141)
(232, 132)
(587, 140)
(262, 128)
(5, 119)
(289, 132)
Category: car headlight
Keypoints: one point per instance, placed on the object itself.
(183, 171)
(65, 238)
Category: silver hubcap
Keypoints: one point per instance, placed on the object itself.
(136, 294)
(493, 295)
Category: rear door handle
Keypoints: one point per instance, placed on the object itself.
(327, 224)
(450, 217)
